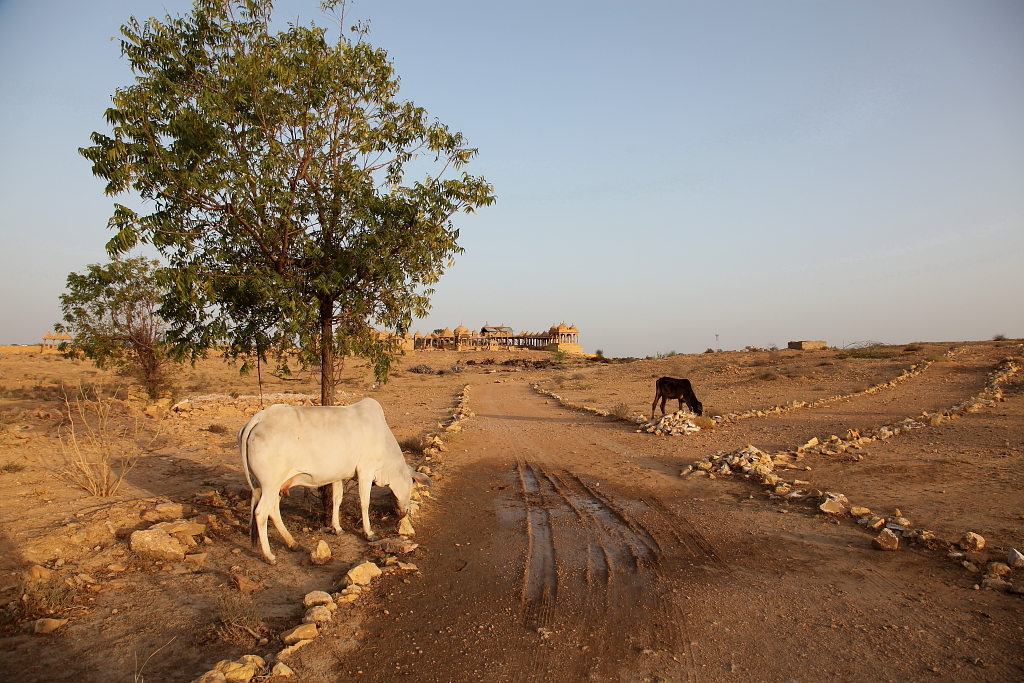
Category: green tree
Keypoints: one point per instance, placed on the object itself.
(111, 312)
(275, 166)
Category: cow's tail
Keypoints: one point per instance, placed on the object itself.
(250, 478)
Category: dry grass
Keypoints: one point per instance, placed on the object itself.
(239, 621)
(97, 448)
(620, 411)
(413, 444)
(39, 600)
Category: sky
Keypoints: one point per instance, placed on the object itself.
(665, 171)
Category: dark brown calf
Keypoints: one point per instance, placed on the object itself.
(681, 389)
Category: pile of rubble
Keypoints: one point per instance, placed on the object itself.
(566, 403)
(679, 422)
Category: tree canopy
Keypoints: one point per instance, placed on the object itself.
(274, 165)
(111, 311)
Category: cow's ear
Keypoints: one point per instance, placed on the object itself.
(421, 478)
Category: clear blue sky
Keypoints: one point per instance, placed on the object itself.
(665, 171)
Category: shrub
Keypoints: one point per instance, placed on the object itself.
(599, 353)
(704, 422)
(11, 466)
(422, 369)
(412, 444)
(709, 350)
(619, 411)
(999, 337)
(217, 429)
(96, 451)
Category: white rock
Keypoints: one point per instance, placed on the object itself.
(157, 544)
(321, 554)
(1015, 559)
(314, 598)
(363, 574)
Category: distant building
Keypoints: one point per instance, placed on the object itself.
(559, 337)
(808, 345)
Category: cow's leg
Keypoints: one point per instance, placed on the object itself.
(326, 500)
(365, 484)
(265, 508)
(339, 491)
(253, 500)
(654, 403)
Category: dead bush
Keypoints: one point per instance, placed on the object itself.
(422, 369)
(98, 445)
(239, 621)
(218, 429)
(39, 600)
(704, 422)
(620, 411)
(412, 444)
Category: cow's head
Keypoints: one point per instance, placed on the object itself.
(698, 407)
(401, 487)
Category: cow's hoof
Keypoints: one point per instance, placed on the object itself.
(339, 531)
(270, 560)
(295, 548)
(371, 537)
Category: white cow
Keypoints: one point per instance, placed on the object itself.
(284, 446)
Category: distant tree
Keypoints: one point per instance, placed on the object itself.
(111, 312)
(274, 164)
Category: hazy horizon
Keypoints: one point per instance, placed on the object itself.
(665, 172)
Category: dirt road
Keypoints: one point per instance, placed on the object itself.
(564, 550)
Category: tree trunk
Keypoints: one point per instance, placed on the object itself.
(327, 386)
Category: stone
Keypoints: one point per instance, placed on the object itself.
(291, 649)
(997, 569)
(899, 521)
(972, 541)
(198, 559)
(167, 511)
(314, 598)
(239, 672)
(47, 625)
(283, 670)
(886, 540)
(1014, 559)
(317, 615)
(181, 527)
(39, 573)
(859, 511)
(363, 574)
(395, 546)
(1017, 589)
(407, 567)
(832, 507)
(300, 632)
(321, 554)
(995, 583)
(245, 584)
(182, 407)
(405, 527)
(875, 523)
(212, 676)
(157, 544)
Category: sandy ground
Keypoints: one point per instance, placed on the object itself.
(556, 543)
